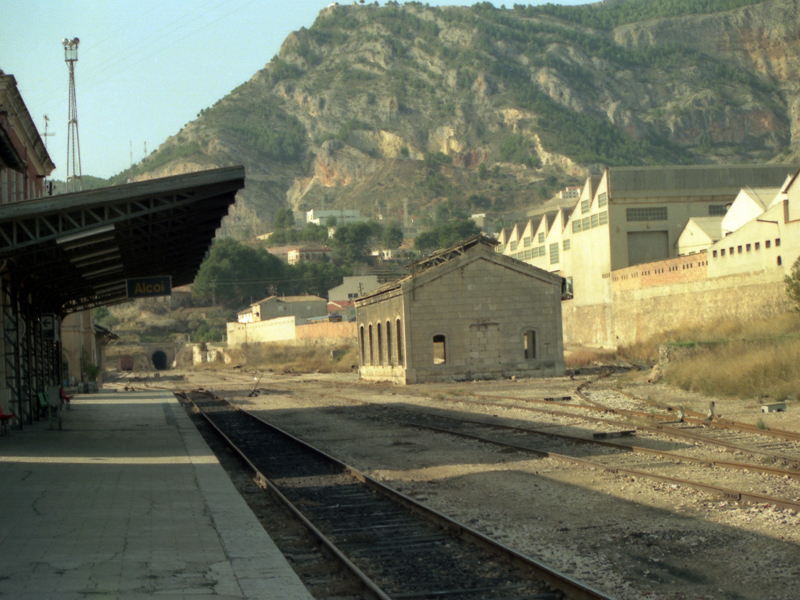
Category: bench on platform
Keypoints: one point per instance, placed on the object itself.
(4, 419)
(50, 404)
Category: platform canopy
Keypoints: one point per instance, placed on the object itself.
(76, 251)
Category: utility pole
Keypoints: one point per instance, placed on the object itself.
(74, 181)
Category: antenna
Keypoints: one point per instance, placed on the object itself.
(74, 178)
(46, 135)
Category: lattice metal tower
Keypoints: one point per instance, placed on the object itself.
(74, 181)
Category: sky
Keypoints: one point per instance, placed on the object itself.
(145, 69)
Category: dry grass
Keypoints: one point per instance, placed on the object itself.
(741, 369)
(301, 359)
(720, 331)
(584, 357)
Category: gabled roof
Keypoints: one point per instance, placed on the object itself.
(290, 299)
(478, 246)
(762, 197)
(711, 226)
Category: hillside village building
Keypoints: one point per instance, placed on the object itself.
(353, 287)
(465, 313)
(343, 217)
(638, 216)
(273, 307)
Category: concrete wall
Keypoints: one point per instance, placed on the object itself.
(274, 330)
(671, 300)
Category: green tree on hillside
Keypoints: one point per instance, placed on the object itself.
(793, 284)
(283, 219)
(445, 235)
(235, 275)
(392, 235)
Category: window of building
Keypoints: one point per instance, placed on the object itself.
(542, 251)
(595, 220)
(585, 205)
(527, 241)
(399, 342)
(586, 223)
(722, 252)
(730, 250)
(758, 245)
(554, 254)
(714, 254)
(514, 246)
(529, 344)
(657, 213)
(439, 350)
(777, 242)
(567, 244)
(541, 238)
(767, 244)
(780, 262)
(739, 249)
(747, 247)
(717, 210)
(389, 343)
(604, 217)
(576, 226)
(380, 344)
(602, 200)
(361, 344)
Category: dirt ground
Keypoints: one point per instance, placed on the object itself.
(632, 538)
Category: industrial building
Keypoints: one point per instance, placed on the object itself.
(634, 216)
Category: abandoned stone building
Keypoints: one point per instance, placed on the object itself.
(464, 313)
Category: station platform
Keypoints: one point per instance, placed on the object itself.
(127, 502)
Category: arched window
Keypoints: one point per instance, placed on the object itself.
(399, 343)
(529, 344)
(371, 348)
(439, 349)
(380, 345)
(389, 343)
(361, 345)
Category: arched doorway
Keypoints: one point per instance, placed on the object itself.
(160, 360)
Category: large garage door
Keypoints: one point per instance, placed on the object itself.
(647, 246)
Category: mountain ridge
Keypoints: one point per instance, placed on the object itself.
(479, 109)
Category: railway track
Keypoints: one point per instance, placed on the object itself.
(656, 455)
(397, 547)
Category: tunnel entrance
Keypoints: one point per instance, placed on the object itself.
(160, 360)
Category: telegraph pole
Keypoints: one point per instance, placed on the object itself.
(74, 181)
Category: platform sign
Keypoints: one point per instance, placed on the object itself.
(149, 287)
(51, 327)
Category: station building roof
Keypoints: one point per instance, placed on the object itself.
(76, 251)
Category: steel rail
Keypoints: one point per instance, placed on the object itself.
(370, 585)
(630, 448)
(659, 428)
(572, 588)
(736, 495)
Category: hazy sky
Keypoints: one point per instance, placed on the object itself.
(145, 68)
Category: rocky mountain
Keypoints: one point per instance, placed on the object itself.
(483, 109)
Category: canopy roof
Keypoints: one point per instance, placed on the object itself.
(76, 251)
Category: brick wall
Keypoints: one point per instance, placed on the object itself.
(693, 267)
(329, 331)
